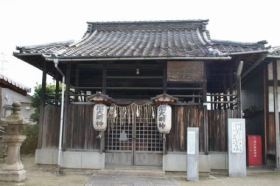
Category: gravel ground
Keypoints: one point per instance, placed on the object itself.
(46, 176)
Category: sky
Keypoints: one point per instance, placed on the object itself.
(31, 22)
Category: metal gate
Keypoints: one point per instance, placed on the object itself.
(132, 137)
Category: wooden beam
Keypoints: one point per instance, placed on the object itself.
(276, 114)
(134, 77)
(187, 96)
(134, 88)
(121, 66)
(86, 88)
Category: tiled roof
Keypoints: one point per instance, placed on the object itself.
(49, 48)
(230, 47)
(9, 83)
(275, 51)
(145, 39)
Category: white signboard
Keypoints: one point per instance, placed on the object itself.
(191, 142)
(237, 137)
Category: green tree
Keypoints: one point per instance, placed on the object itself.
(37, 97)
(31, 131)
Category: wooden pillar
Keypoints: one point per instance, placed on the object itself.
(104, 84)
(66, 104)
(42, 104)
(205, 113)
(276, 113)
(104, 79)
(238, 87)
(77, 77)
(56, 88)
(265, 98)
(164, 88)
(238, 90)
(205, 121)
(204, 93)
(164, 79)
(164, 150)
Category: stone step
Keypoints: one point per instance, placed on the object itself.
(133, 171)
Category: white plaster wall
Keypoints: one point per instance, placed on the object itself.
(172, 161)
(10, 96)
(71, 159)
(177, 161)
(218, 160)
(46, 156)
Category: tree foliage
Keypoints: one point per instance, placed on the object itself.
(31, 131)
(37, 97)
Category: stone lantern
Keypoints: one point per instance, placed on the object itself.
(13, 169)
(164, 112)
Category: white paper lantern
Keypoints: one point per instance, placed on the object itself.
(100, 117)
(164, 114)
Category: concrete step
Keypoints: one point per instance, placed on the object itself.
(147, 171)
(260, 170)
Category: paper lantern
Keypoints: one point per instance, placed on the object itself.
(100, 117)
(164, 114)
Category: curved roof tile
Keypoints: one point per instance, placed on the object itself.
(144, 39)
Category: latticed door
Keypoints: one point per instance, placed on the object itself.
(132, 137)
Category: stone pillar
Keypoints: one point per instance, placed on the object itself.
(236, 147)
(192, 153)
(13, 169)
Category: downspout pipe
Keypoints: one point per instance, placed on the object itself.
(239, 68)
(59, 162)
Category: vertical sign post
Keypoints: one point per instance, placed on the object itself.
(192, 153)
(236, 147)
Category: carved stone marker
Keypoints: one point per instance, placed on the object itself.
(192, 153)
(13, 170)
(236, 147)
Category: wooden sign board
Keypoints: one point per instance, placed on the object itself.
(185, 71)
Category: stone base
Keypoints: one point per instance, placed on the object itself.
(12, 176)
(71, 159)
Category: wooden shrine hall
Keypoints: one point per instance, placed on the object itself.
(128, 67)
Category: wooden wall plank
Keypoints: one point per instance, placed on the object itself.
(185, 71)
